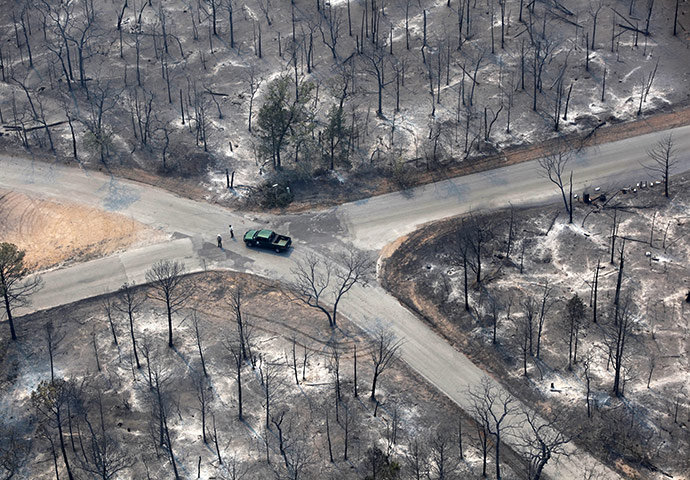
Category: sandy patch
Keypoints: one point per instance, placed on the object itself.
(54, 233)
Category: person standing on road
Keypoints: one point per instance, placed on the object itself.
(232, 232)
(220, 241)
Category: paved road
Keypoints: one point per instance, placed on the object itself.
(368, 224)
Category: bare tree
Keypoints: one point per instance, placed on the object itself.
(253, 83)
(416, 461)
(616, 338)
(130, 302)
(203, 396)
(374, 64)
(108, 306)
(546, 304)
(545, 440)
(575, 315)
(317, 279)
(197, 335)
(16, 285)
(524, 327)
(664, 160)
(50, 399)
(162, 406)
(442, 459)
(99, 135)
(595, 7)
(495, 408)
(102, 455)
(14, 452)
(384, 348)
(553, 167)
(243, 328)
(169, 286)
(238, 361)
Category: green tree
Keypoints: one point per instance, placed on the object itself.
(337, 133)
(284, 117)
(14, 289)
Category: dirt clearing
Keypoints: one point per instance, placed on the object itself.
(55, 233)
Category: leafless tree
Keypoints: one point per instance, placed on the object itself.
(383, 351)
(102, 455)
(238, 361)
(595, 7)
(243, 326)
(664, 160)
(14, 452)
(442, 459)
(50, 399)
(162, 406)
(270, 375)
(254, 84)
(334, 364)
(575, 316)
(130, 301)
(197, 335)
(524, 328)
(553, 167)
(495, 408)
(202, 395)
(333, 20)
(228, 4)
(317, 279)
(108, 307)
(416, 460)
(141, 108)
(169, 286)
(617, 335)
(102, 99)
(374, 64)
(543, 441)
(545, 305)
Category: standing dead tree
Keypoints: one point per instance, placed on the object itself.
(129, 303)
(244, 327)
(546, 304)
(664, 160)
(543, 441)
(553, 167)
(316, 278)
(374, 65)
(236, 353)
(162, 408)
(575, 316)
(384, 348)
(50, 399)
(495, 409)
(169, 286)
(616, 338)
(102, 456)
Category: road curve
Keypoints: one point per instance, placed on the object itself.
(369, 224)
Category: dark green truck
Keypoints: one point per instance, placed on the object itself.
(267, 239)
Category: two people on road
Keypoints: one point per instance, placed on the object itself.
(219, 238)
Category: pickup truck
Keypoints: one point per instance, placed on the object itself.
(267, 239)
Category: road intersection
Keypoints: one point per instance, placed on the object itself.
(368, 224)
